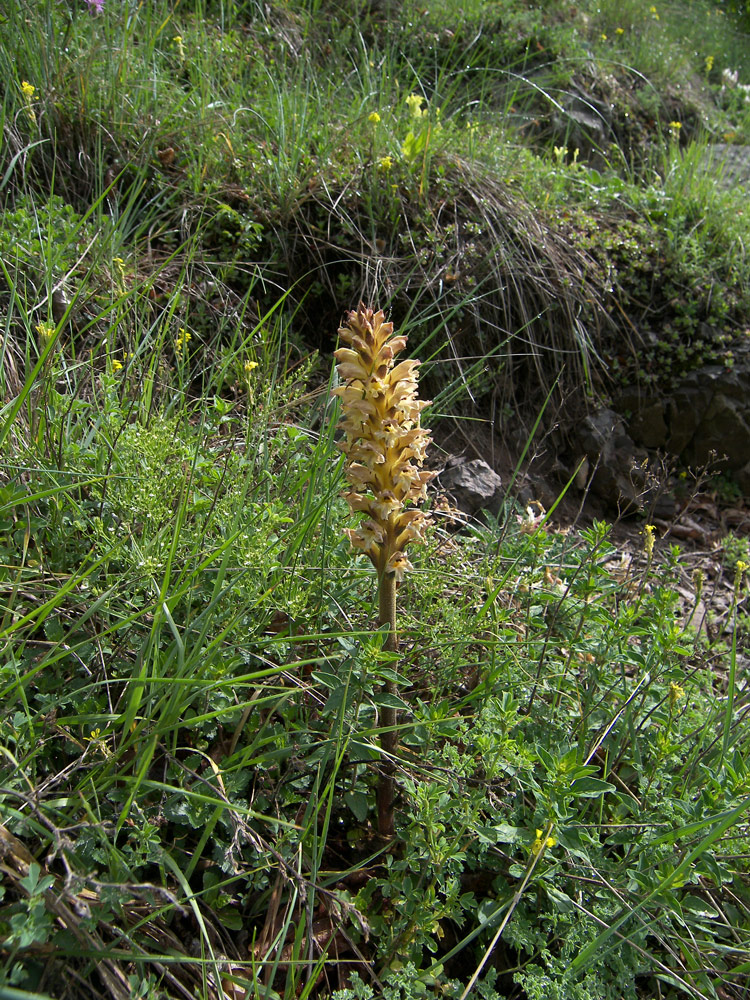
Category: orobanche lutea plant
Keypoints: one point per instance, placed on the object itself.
(385, 449)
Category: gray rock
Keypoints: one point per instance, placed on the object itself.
(705, 419)
(621, 473)
(472, 485)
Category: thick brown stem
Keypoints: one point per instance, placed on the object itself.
(389, 736)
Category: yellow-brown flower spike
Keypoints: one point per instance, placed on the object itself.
(385, 449)
(383, 441)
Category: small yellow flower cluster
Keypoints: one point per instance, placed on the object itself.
(383, 440)
(181, 341)
(709, 63)
(414, 103)
(46, 332)
(740, 569)
(29, 90)
(373, 117)
(648, 541)
(539, 843)
(675, 693)
(385, 163)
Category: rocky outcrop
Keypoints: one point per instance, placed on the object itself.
(472, 485)
(705, 419)
(610, 463)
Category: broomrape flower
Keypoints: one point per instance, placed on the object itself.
(383, 441)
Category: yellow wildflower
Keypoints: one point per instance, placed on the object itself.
(414, 103)
(675, 693)
(675, 125)
(117, 366)
(46, 332)
(603, 37)
(541, 843)
(385, 163)
(619, 31)
(181, 340)
(28, 90)
(178, 44)
(740, 569)
(373, 117)
(709, 63)
(648, 541)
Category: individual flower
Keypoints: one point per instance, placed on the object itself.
(96, 6)
(117, 365)
(373, 117)
(383, 441)
(676, 126)
(619, 31)
(709, 61)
